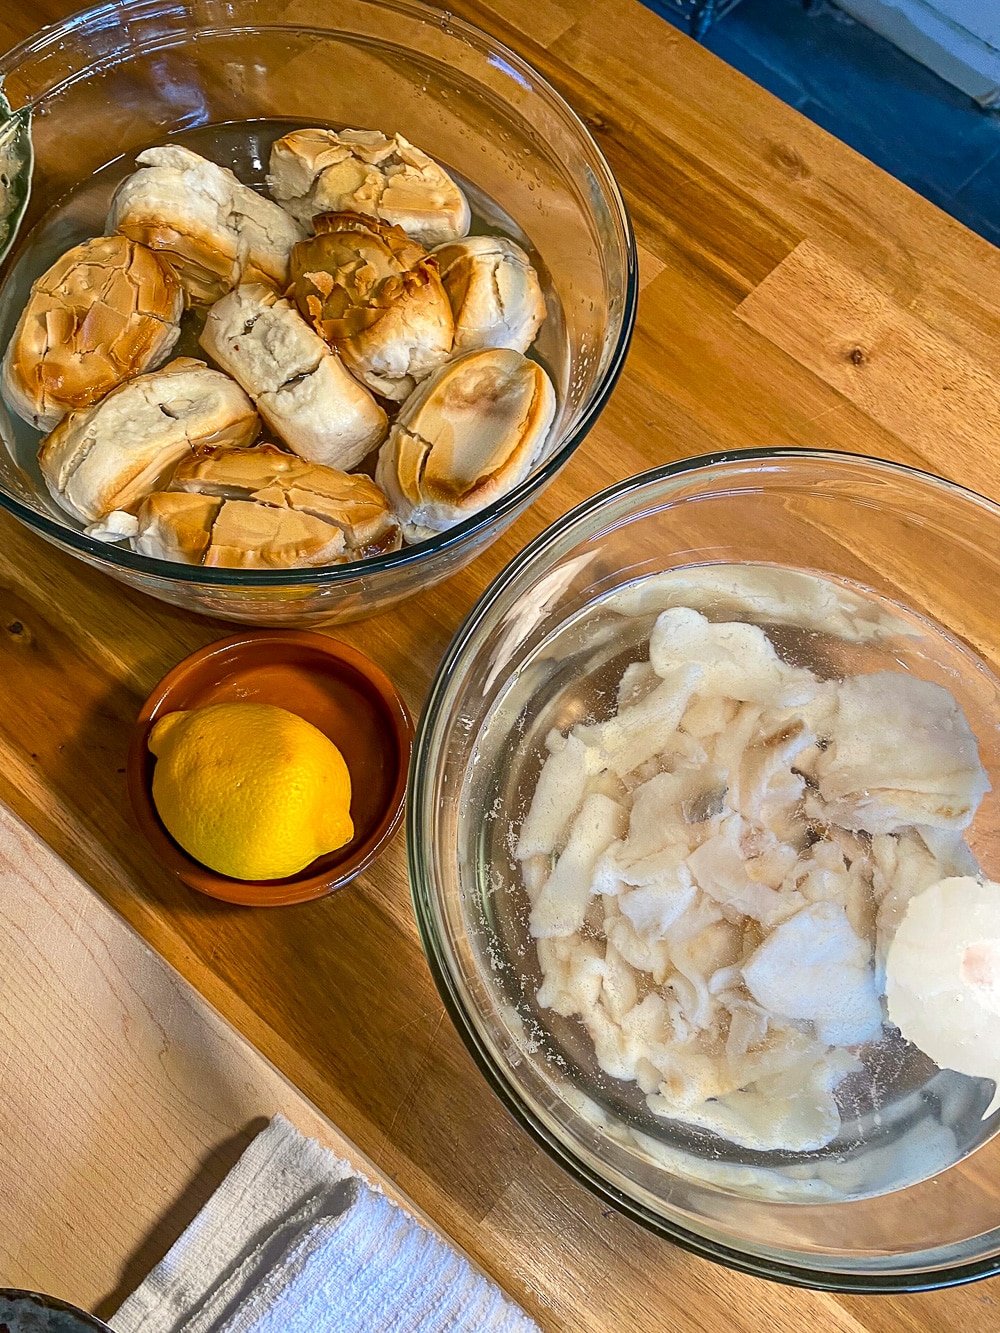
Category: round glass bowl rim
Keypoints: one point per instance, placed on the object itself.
(577, 522)
(54, 35)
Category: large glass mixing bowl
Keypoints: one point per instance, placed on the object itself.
(905, 1197)
(228, 78)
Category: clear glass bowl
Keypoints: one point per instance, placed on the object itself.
(888, 1205)
(115, 79)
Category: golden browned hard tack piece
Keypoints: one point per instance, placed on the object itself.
(232, 534)
(262, 508)
(213, 230)
(470, 433)
(363, 171)
(376, 297)
(494, 293)
(301, 388)
(107, 310)
(109, 457)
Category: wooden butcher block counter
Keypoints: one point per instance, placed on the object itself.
(791, 293)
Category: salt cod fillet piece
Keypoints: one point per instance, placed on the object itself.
(794, 1111)
(562, 903)
(558, 794)
(900, 753)
(737, 661)
(641, 732)
(813, 968)
(719, 869)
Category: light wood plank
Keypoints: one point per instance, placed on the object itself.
(861, 340)
(124, 1098)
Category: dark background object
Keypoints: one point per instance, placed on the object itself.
(868, 93)
(30, 1312)
(694, 16)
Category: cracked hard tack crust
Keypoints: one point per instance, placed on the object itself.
(363, 171)
(494, 291)
(365, 311)
(301, 388)
(376, 297)
(212, 230)
(467, 435)
(262, 508)
(112, 455)
(106, 310)
(717, 870)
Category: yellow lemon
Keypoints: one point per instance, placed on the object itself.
(250, 790)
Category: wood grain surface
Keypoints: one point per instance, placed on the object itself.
(770, 255)
(125, 1097)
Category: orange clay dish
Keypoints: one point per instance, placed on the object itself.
(328, 684)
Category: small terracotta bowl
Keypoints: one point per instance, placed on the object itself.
(331, 685)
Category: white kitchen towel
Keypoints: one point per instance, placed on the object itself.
(293, 1241)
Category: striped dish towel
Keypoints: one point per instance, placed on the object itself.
(293, 1241)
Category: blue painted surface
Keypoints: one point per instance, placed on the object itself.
(867, 92)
